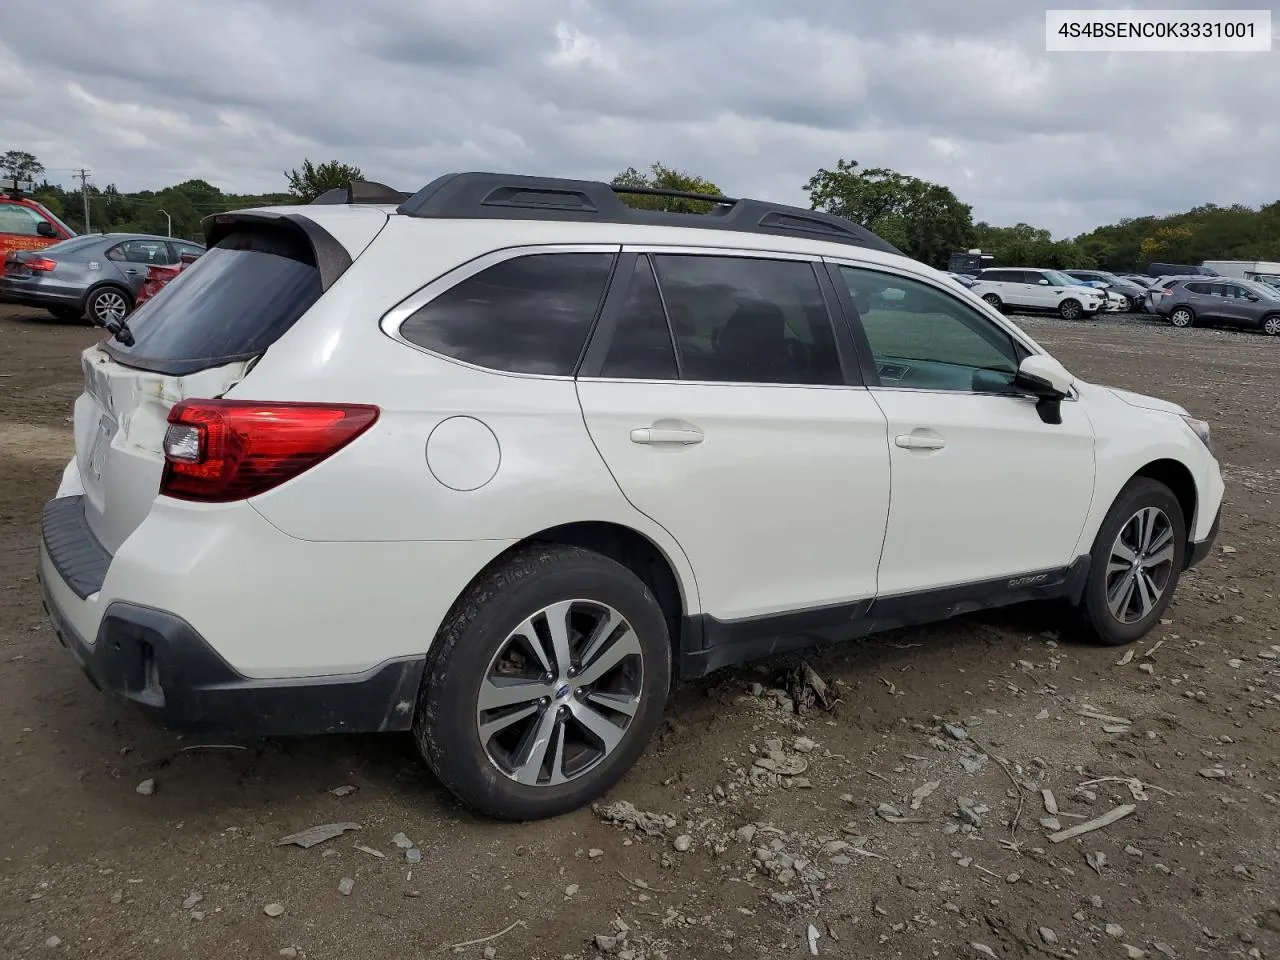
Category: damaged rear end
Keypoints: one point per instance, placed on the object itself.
(157, 447)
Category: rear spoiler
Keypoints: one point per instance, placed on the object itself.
(331, 257)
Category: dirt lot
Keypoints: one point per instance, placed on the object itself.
(91, 868)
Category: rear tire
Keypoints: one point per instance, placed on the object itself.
(994, 301)
(590, 726)
(1135, 564)
(108, 304)
(1182, 317)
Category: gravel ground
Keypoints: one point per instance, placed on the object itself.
(910, 819)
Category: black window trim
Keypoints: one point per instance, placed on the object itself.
(395, 317)
(871, 372)
(602, 336)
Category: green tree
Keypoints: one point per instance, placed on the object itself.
(1169, 242)
(662, 177)
(20, 165)
(925, 220)
(311, 180)
(1028, 246)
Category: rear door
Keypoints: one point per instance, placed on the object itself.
(729, 409)
(195, 338)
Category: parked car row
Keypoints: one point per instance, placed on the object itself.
(104, 276)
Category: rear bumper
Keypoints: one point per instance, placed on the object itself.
(162, 665)
(158, 661)
(39, 293)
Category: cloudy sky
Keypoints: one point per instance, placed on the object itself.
(755, 95)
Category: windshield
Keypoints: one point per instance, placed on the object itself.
(1262, 289)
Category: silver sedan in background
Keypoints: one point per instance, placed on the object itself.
(98, 275)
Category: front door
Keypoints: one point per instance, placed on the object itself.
(728, 409)
(983, 489)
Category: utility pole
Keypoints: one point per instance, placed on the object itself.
(83, 176)
(170, 219)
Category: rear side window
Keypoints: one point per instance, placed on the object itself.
(231, 304)
(530, 314)
(743, 320)
(1197, 288)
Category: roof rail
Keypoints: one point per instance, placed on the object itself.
(481, 196)
(362, 191)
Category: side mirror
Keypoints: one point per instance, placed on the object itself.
(1251, 298)
(1048, 381)
(45, 229)
(1043, 282)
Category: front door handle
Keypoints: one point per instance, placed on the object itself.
(665, 435)
(912, 441)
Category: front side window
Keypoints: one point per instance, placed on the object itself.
(930, 340)
(529, 314)
(749, 320)
(19, 220)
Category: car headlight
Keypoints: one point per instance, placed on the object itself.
(1201, 430)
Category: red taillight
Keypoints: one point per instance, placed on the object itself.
(216, 451)
(40, 264)
(1166, 292)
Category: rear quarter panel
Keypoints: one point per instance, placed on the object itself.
(381, 487)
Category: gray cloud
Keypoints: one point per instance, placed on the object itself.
(754, 95)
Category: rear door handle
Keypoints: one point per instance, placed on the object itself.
(911, 441)
(664, 435)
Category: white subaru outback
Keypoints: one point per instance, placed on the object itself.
(501, 461)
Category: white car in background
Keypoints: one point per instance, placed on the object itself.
(1036, 290)
(500, 462)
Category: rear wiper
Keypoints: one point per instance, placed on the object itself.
(120, 330)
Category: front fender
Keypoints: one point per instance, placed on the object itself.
(1131, 438)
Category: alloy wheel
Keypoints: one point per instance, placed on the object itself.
(1271, 326)
(560, 693)
(1140, 567)
(1070, 310)
(109, 306)
(1180, 318)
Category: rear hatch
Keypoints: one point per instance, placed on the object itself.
(196, 337)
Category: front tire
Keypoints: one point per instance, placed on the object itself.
(1271, 325)
(1070, 309)
(544, 684)
(1135, 563)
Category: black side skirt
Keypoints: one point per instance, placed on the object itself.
(708, 644)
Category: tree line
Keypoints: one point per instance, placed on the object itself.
(925, 220)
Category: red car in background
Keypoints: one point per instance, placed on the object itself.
(27, 225)
(158, 275)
